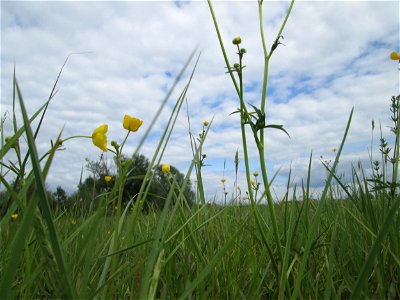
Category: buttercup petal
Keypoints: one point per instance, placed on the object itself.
(395, 56)
(99, 137)
(132, 124)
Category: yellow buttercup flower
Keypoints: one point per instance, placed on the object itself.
(395, 56)
(99, 137)
(132, 124)
(205, 123)
(107, 178)
(166, 168)
(255, 173)
(14, 216)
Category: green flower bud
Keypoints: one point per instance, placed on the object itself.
(237, 40)
(8, 138)
(243, 51)
(59, 143)
(115, 144)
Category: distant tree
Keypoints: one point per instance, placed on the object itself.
(60, 195)
(165, 183)
(139, 164)
(137, 171)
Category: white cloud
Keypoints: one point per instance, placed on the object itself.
(335, 57)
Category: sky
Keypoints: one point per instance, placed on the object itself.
(335, 57)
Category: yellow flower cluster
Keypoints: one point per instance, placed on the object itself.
(99, 137)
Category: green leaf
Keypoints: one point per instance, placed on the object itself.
(280, 127)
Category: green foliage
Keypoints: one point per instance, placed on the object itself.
(94, 186)
(100, 243)
(60, 196)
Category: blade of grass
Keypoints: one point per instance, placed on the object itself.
(41, 190)
(147, 280)
(316, 217)
(164, 102)
(14, 138)
(211, 265)
(374, 251)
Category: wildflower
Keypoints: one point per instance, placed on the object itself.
(107, 178)
(205, 123)
(73, 222)
(237, 40)
(223, 180)
(253, 182)
(14, 216)
(333, 150)
(395, 56)
(99, 137)
(166, 168)
(132, 124)
(255, 173)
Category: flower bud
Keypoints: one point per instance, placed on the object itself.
(8, 138)
(237, 40)
(115, 144)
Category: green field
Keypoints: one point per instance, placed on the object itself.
(166, 241)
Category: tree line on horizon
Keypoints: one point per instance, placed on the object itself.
(95, 186)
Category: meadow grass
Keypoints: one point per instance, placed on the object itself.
(344, 243)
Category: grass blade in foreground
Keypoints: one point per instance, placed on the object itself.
(216, 259)
(316, 217)
(42, 195)
(375, 250)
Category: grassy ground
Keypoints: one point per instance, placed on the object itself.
(345, 244)
(214, 252)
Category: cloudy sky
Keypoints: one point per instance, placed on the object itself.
(335, 57)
